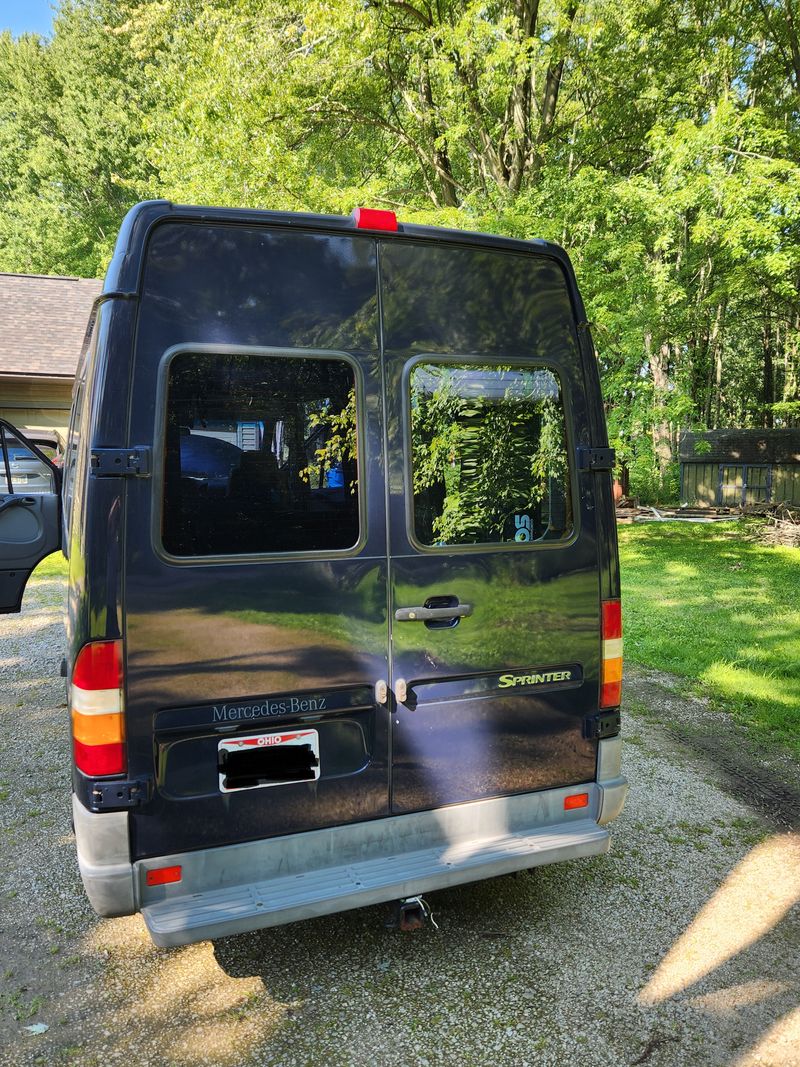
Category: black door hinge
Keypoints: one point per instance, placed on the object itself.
(595, 459)
(106, 796)
(121, 462)
(604, 724)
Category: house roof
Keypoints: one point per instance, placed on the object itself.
(43, 321)
(740, 446)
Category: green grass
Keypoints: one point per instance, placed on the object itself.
(52, 566)
(703, 602)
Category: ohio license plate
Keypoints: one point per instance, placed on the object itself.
(261, 760)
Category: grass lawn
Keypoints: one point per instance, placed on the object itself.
(702, 602)
(52, 565)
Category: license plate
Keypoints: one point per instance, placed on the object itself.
(263, 760)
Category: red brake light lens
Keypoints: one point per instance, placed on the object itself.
(97, 761)
(368, 218)
(612, 619)
(99, 666)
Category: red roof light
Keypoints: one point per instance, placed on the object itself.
(369, 218)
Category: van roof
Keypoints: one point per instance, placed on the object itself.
(124, 271)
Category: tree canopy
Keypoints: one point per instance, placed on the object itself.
(657, 140)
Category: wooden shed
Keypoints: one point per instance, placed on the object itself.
(728, 468)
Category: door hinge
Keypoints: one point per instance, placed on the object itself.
(120, 462)
(604, 724)
(106, 796)
(595, 459)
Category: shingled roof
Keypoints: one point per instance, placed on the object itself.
(43, 321)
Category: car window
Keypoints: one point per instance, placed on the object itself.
(488, 454)
(28, 473)
(260, 455)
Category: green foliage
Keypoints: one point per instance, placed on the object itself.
(788, 413)
(340, 440)
(702, 602)
(479, 459)
(658, 142)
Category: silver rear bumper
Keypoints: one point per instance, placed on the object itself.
(235, 888)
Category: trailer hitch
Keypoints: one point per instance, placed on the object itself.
(410, 913)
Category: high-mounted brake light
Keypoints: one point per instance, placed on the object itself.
(611, 679)
(98, 725)
(369, 218)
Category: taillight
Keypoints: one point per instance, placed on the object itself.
(370, 218)
(611, 677)
(98, 725)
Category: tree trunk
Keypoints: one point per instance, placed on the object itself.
(715, 349)
(658, 361)
(794, 45)
(552, 87)
(441, 156)
(527, 12)
(769, 371)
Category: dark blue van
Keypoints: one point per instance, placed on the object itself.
(343, 612)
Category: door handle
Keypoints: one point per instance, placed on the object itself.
(423, 614)
(381, 692)
(17, 502)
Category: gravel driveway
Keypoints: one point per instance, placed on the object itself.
(679, 947)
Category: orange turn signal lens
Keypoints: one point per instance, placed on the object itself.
(108, 729)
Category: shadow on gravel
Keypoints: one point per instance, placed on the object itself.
(350, 971)
(748, 906)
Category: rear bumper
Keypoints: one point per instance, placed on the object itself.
(104, 859)
(235, 888)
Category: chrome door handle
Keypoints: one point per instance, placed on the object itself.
(423, 614)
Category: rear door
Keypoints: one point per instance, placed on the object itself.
(256, 574)
(30, 522)
(494, 587)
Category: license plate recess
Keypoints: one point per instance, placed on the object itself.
(261, 760)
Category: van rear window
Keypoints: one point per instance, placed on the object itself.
(488, 454)
(260, 455)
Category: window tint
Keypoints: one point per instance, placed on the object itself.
(260, 455)
(489, 455)
(446, 299)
